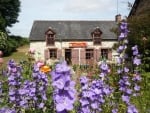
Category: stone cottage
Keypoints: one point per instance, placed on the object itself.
(76, 41)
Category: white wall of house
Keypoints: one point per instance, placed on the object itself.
(39, 49)
(40, 46)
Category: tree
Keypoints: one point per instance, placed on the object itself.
(9, 11)
(140, 35)
(3, 41)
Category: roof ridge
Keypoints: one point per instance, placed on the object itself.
(74, 20)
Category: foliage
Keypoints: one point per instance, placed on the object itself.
(9, 11)
(3, 41)
(20, 41)
(10, 44)
(140, 35)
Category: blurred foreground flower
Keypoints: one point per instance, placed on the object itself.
(31, 50)
(1, 53)
(45, 69)
(64, 88)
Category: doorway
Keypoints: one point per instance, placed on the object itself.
(68, 56)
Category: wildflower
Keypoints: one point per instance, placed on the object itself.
(7, 110)
(40, 64)
(120, 48)
(45, 69)
(136, 61)
(31, 50)
(1, 53)
(126, 86)
(135, 48)
(132, 109)
(115, 110)
(104, 67)
(136, 87)
(14, 81)
(93, 93)
(64, 88)
(126, 99)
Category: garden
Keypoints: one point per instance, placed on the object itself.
(30, 86)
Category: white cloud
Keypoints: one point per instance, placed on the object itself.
(90, 6)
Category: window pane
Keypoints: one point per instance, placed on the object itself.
(104, 53)
(89, 53)
(53, 53)
(50, 41)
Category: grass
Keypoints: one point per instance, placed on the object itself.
(18, 56)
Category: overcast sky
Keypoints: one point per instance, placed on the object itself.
(66, 10)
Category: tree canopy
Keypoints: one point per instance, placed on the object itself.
(9, 11)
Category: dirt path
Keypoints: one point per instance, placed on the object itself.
(23, 49)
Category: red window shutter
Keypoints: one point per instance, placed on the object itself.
(96, 54)
(75, 56)
(82, 56)
(46, 54)
(109, 54)
(59, 53)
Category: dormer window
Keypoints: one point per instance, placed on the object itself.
(50, 37)
(96, 35)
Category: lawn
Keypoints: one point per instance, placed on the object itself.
(18, 56)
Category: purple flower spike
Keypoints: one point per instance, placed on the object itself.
(64, 93)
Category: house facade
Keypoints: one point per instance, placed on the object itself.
(79, 42)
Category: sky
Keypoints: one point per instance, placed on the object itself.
(32, 10)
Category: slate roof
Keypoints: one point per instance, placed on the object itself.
(72, 30)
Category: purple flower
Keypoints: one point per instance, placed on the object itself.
(135, 50)
(125, 83)
(120, 48)
(119, 71)
(132, 109)
(63, 103)
(123, 25)
(64, 93)
(126, 99)
(95, 105)
(128, 91)
(104, 66)
(84, 80)
(136, 87)
(60, 83)
(94, 94)
(126, 70)
(115, 110)
(41, 105)
(136, 61)
(136, 78)
(84, 101)
(122, 36)
(7, 110)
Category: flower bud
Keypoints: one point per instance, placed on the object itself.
(1, 53)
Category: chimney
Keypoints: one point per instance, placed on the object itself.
(118, 18)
